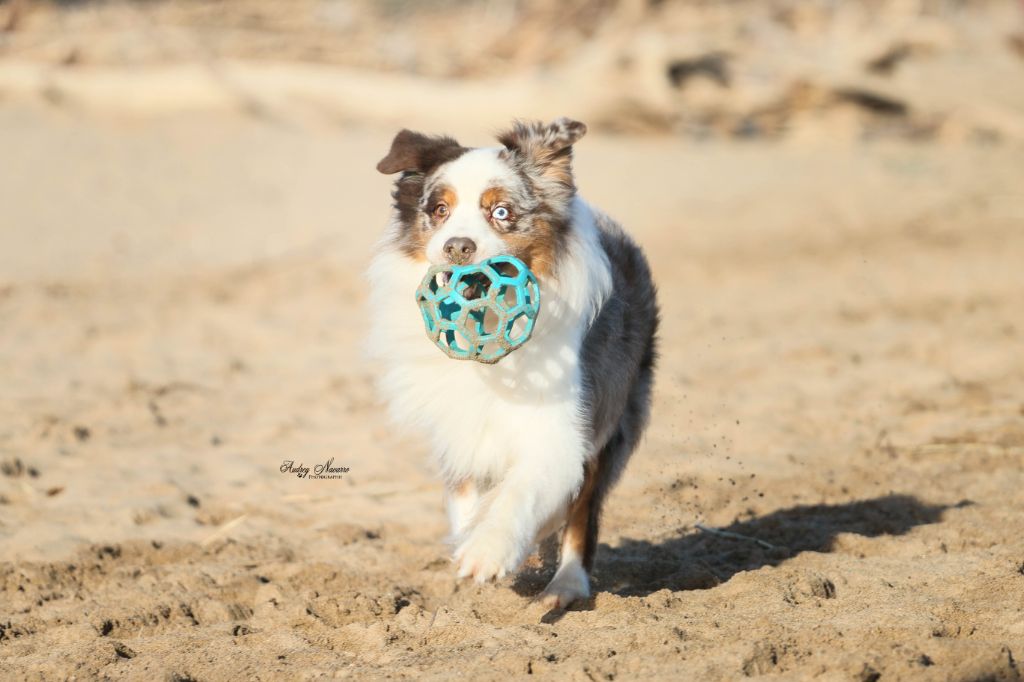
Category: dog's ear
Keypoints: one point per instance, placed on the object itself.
(545, 147)
(418, 153)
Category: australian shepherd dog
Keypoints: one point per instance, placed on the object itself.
(532, 444)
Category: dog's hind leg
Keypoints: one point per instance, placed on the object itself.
(579, 540)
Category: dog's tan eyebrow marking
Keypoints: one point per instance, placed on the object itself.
(441, 194)
(492, 196)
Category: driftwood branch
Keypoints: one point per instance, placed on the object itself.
(734, 536)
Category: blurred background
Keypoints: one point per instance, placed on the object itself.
(830, 196)
(920, 69)
(229, 76)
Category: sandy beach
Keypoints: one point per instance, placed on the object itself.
(832, 486)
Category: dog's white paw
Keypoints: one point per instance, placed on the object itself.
(486, 555)
(569, 584)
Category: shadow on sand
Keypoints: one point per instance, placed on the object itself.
(696, 560)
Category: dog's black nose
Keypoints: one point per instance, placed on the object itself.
(459, 250)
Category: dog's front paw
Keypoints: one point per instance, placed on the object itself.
(569, 584)
(486, 555)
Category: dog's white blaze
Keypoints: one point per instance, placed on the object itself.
(520, 423)
(469, 176)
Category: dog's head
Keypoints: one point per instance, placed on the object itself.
(459, 205)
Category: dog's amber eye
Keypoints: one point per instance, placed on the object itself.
(500, 213)
(440, 211)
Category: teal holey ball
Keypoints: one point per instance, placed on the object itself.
(482, 311)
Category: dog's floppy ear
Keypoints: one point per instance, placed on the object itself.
(545, 147)
(418, 153)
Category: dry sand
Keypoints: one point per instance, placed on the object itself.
(841, 380)
(841, 387)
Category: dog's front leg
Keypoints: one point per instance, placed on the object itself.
(546, 474)
(461, 501)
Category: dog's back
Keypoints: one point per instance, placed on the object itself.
(617, 359)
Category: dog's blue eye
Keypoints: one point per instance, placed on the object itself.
(500, 213)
